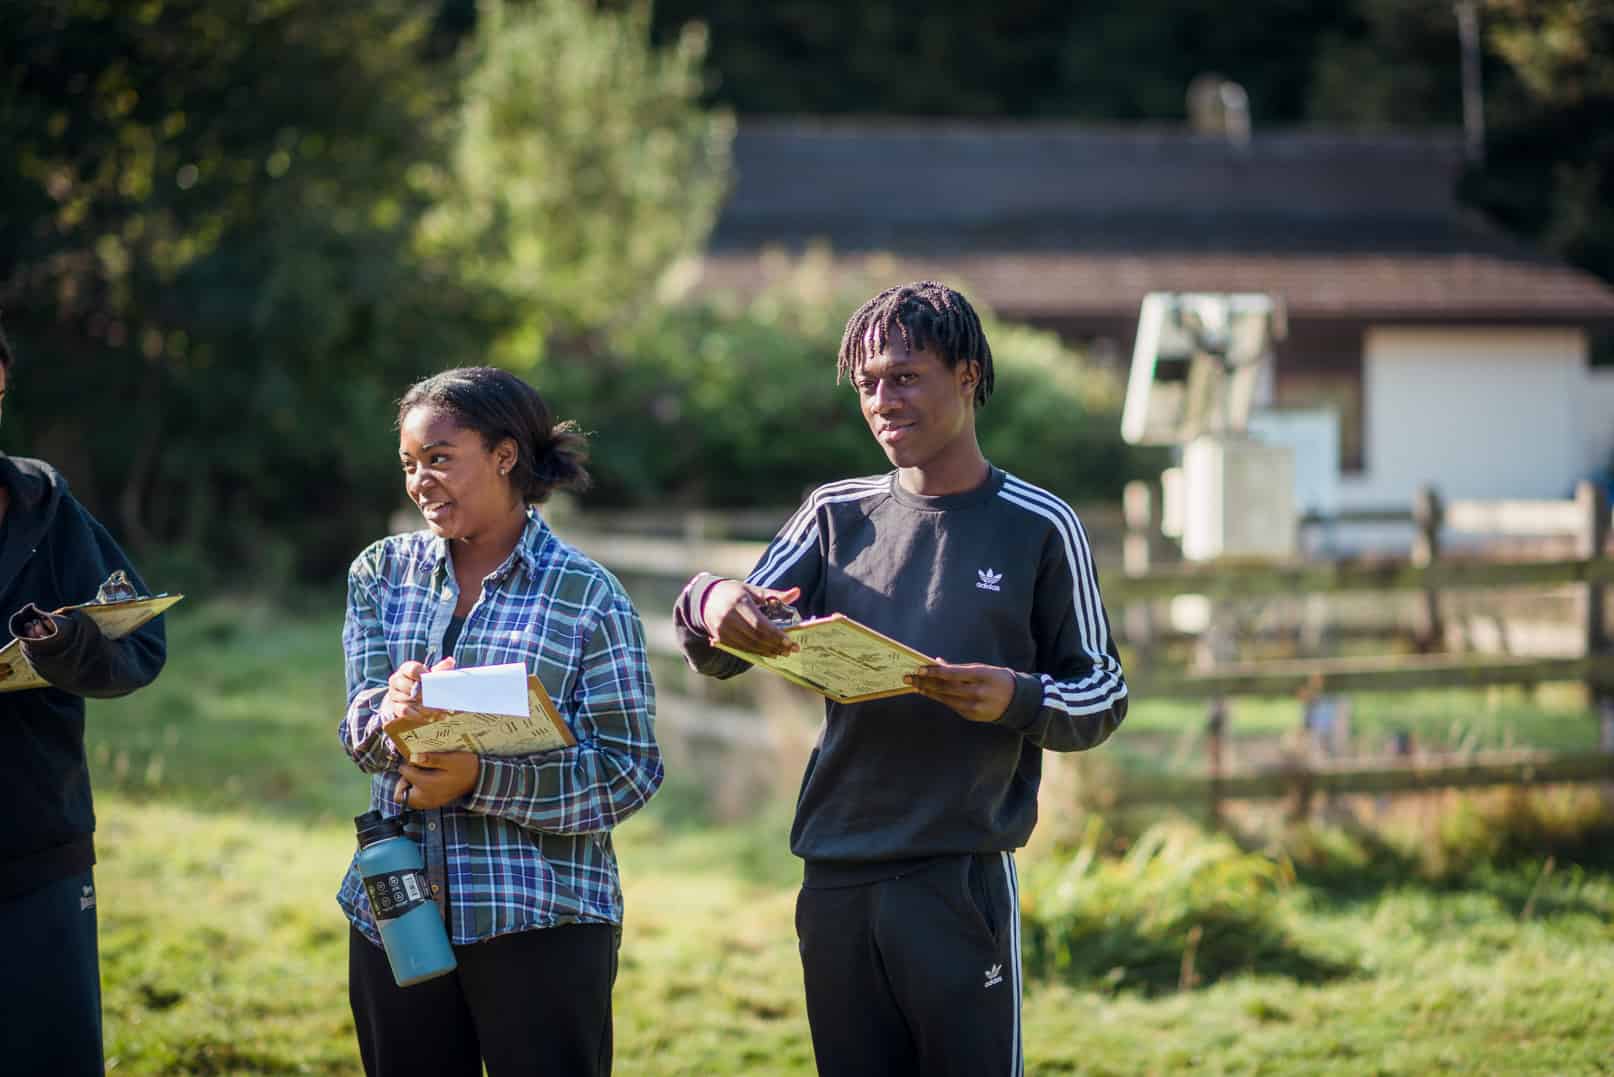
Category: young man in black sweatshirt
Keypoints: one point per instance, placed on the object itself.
(912, 806)
(53, 554)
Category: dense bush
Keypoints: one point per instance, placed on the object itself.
(707, 404)
(1447, 837)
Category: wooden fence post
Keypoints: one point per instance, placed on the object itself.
(698, 529)
(1591, 539)
(1591, 535)
(1429, 514)
(1215, 731)
(1137, 509)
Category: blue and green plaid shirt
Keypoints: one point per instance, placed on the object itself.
(530, 846)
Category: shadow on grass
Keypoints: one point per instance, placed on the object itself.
(208, 1055)
(1174, 908)
(1221, 943)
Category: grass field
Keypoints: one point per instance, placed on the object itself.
(225, 808)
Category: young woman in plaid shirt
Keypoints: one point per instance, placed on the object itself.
(518, 850)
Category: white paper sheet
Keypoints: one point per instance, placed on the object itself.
(480, 689)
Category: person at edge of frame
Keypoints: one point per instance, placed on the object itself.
(911, 806)
(518, 849)
(53, 553)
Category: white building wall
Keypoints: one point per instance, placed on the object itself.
(1596, 419)
(1480, 413)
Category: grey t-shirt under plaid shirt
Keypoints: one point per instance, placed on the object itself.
(530, 845)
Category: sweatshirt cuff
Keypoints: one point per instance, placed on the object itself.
(689, 603)
(63, 631)
(1026, 703)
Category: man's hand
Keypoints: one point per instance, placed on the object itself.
(978, 692)
(733, 615)
(430, 781)
(403, 691)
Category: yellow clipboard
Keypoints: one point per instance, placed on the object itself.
(842, 659)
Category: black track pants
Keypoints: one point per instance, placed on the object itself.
(917, 975)
(50, 994)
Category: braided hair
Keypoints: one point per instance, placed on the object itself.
(926, 315)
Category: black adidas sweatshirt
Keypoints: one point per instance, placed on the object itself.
(55, 554)
(1002, 575)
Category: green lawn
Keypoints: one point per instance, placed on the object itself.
(225, 802)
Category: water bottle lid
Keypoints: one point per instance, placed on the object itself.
(372, 827)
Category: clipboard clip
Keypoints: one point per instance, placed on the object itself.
(115, 588)
(782, 614)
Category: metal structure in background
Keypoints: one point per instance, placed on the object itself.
(1197, 373)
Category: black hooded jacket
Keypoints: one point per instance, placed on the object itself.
(53, 554)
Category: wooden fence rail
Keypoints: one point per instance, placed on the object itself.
(679, 559)
(1238, 580)
(679, 551)
(671, 558)
(1379, 674)
(1384, 777)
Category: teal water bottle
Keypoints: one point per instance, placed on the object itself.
(394, 875)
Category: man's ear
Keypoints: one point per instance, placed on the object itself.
(969, 375)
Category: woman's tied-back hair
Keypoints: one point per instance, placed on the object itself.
(926, 315)
(495, 403)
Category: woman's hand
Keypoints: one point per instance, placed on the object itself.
(429, 780)
(733, 614)
(403, 691)
(432, 780)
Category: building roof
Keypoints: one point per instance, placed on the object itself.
(1057, 221)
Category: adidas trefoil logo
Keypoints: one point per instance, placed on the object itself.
(86, 900)
(988, 580)
(994, 975)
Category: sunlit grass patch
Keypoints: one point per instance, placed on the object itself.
(1333, 952)
(222, 949)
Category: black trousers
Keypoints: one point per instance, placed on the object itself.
(535, 1002)
(50, 994)
(916, 976)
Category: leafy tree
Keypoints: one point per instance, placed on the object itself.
(1550, 164)
(1548, 172)
(208, 223)
(234, 230)
(1390, 64)
(584, 166)
(723, 405)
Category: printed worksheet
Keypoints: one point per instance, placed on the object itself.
(842, 660)
(489, 710)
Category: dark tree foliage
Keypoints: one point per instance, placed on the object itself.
(206, 219)
(1101, 62)
(1548, 65)
(1549, 171)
